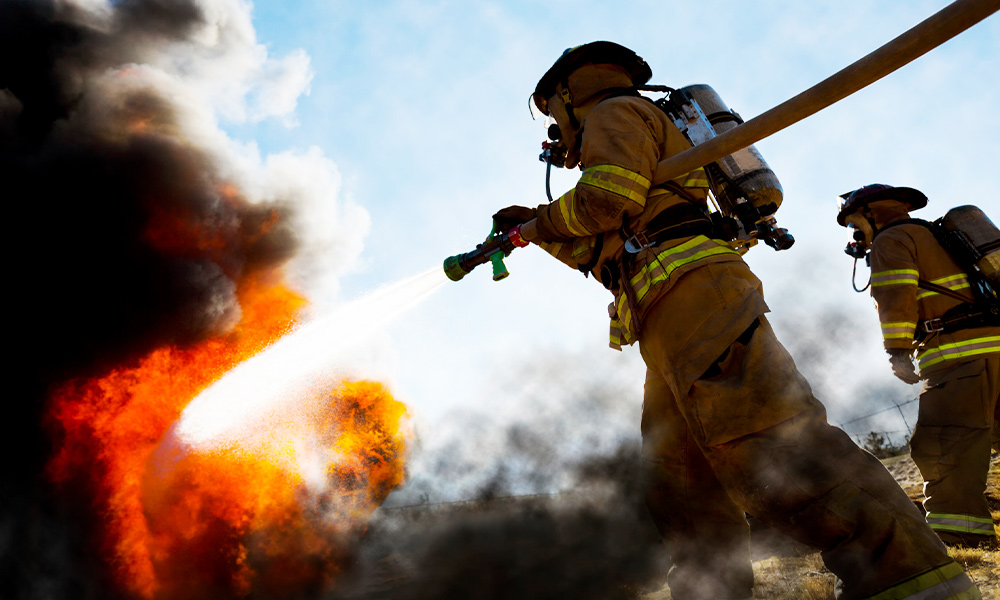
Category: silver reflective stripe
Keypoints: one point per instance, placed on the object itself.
(961, 523)
(983, 345)
(895, 277)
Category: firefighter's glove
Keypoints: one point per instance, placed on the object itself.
(512, 216)
(902, 366)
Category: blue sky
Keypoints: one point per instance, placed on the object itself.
(422, 108)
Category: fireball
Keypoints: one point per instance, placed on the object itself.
(270, 506)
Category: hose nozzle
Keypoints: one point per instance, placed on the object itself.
(453, 268)
(493, 250)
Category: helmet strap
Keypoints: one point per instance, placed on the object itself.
(866, 212)
(568, 104)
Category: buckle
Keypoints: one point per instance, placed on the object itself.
(933, 325)
(637, 242)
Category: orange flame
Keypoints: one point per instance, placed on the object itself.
(222, 522)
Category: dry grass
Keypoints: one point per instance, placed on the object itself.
(806, 578)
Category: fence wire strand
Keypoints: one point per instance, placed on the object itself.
(898, 406)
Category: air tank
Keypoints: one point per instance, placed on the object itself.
(746, 169)
(982, 239)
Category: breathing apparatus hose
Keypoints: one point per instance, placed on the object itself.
(548, 174)
(854, 273)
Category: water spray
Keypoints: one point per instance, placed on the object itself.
(274, 380)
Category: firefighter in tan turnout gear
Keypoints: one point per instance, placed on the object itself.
(729, 425)
(922, 293)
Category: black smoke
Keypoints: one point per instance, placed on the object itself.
(547, 516)
(121, 236)
(595, 542)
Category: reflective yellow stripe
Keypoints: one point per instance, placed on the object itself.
(972, 518)
(953, 282)
(552, 248)
(657, 271)
(961, 523)
(898, 330)
(583, 245)
(617, 180)
(973, 347)
(895, 277)
(693, 179)
(568, 214)
(668, 261)
(948, 582)
(616, 334)
(625, 315)
(957, 278)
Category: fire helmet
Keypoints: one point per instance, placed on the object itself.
(856, 200)
(632, 68)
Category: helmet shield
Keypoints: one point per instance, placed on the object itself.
(538, 107)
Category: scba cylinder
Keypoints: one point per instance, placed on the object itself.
(746, 170)
(982, 235)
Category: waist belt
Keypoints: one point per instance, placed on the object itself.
(680, 221)
(963, 316)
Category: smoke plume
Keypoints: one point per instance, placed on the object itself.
(134, 221)
(594, 542)
(540, 496)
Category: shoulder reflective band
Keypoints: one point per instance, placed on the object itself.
(973, 347)
(617, 180)
(895, 277)
(961, 523)
(898, 331)
(948, 581)
(953, 282)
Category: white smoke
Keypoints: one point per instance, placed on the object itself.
(218, 74)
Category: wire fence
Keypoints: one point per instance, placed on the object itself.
(890, 435)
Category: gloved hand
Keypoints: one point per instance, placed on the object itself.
(902, 366)
(512, 216)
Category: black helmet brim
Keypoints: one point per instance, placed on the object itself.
(594, 53)
(913, 198)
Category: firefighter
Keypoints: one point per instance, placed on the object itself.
(915, 281)
(729, 425)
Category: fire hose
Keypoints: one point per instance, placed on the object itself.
(902, 50)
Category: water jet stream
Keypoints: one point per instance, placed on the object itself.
(292, 367)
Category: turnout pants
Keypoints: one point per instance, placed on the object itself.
(956, 425)
(749, 437)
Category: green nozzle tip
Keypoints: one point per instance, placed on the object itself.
(453, 269)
